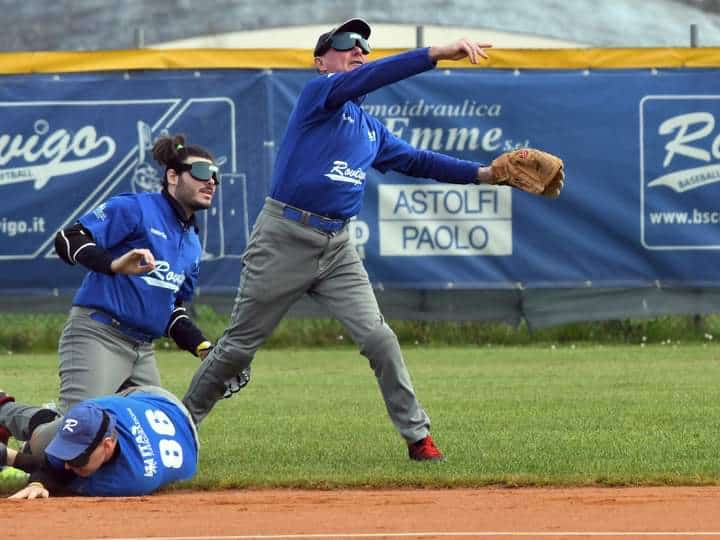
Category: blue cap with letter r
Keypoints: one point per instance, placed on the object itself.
(83, 428)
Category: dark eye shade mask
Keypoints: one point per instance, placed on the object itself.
(199, 170)
(344, 41)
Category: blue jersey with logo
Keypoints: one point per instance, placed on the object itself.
(330, 142)
(157, 446)
(143, 220)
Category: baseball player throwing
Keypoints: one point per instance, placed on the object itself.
(300, 242)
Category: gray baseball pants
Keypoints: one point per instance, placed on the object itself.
(97, 359)
(285, 259)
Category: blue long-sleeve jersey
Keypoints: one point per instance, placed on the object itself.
(143, 220)
(330, 142)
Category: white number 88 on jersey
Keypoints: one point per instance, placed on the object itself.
(171, 453)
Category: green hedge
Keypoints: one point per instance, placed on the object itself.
(40, 332)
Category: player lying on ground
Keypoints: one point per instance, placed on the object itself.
(127, 444)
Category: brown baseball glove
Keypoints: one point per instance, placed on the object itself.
(531, 170)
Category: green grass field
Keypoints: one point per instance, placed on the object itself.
(570, 415)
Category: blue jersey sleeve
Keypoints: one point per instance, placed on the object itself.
(114, 220)
(331, 91)
(397, 155)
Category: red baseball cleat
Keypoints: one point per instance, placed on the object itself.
(425, 450)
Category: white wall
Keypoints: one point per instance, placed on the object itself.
(384, 36)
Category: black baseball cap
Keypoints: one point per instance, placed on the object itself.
(359, 26)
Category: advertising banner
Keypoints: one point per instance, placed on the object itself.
(641, 150)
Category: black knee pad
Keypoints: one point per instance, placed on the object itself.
(43, 416)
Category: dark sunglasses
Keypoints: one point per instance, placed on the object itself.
(200, 170)
(84, 458)
(345, 41)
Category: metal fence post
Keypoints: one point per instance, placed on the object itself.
(139, 37)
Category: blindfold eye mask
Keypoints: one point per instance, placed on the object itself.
(200, 170)
(344, 41)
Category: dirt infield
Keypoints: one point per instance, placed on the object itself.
(461, 513)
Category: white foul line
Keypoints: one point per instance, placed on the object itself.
(445, 534)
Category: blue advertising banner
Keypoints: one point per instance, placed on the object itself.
(641, 149)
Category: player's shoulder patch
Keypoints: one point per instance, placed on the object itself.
(99, 212)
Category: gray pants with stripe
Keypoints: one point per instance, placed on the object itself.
(285, 259)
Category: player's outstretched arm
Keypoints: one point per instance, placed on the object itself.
(462, 48)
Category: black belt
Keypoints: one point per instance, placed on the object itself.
(129, 331)
(314, 220)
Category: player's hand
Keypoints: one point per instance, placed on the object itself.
(34, 490)
(463, 48)
(134, 262)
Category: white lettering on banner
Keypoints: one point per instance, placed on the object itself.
(452, 139)
(401, 119)
(428, 220)
(685, 180)
(682, 125)
(359, 234)
(679, 156)
(678, 145)
(11, 227)
(448, 202)
(41, 139)
(469, 107)
(57, 148)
